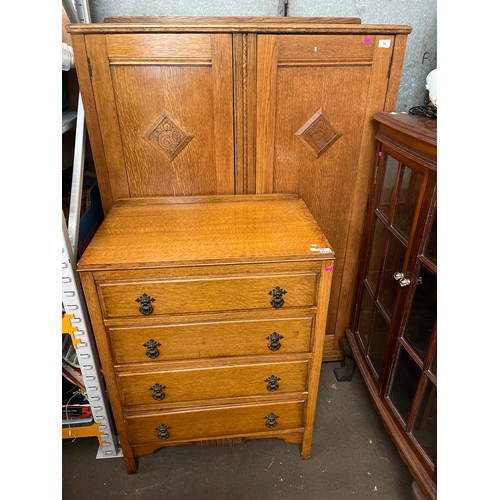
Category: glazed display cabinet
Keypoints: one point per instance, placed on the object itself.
(393, 334)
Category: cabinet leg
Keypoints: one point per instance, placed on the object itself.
(131, 463)
(305, 452)
(346, 371)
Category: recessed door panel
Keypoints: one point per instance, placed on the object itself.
(162, 135)
(423, 313)
(406, 202)
(404, 384)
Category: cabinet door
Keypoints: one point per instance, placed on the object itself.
(316, 95)
(395, 319)
(410, 383)
(393, 212)
(165, 108)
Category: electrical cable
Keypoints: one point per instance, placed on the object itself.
(429, 111)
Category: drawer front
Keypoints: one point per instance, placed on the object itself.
(206, 340)
(215, 423)
(207, 295)
(211, 383)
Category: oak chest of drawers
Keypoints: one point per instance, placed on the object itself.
(209, 315)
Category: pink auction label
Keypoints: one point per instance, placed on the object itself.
(328, 269)
(367, 40)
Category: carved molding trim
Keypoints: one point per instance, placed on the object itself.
(221, 442)
(245, 109)
(317, 134)
(168, 136)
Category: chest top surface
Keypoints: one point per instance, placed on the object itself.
(169, 231)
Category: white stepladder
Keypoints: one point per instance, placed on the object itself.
(75, 315)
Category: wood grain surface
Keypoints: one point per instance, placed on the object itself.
(216, 422)
(209, 294)
(210, 263)
(213, 382)
(137, 234)
(210, 339)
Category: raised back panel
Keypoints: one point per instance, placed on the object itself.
(163, 135)
(304, 92)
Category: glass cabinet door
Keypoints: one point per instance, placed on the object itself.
(395, 319)
(394, 210)
(412, 386)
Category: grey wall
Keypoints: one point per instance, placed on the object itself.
(421, 15)
(99, 9)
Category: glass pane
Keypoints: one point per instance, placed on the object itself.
(377, 250)
(391, 170)
(423, 313)
(434, 364)
(407, 201)
(365, 315)
(404, 384)
(425, 428)
(431, 248)
(378, 341)
(393, 263)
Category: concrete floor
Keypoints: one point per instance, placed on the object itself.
(352, 457)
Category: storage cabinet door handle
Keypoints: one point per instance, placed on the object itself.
(401, 278)
(272, 383)
(158, 393)
(152, 348)
(162, 430)
(274, 341)
(277, 297)
(145, 302)
(271, 420)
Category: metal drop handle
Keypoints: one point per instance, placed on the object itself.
(398, 276)
(274, 341)
(145, 302)
(277, 300)
(271, 420)
(162, 431)
(152, 348)
(158, 391)
(272, 383)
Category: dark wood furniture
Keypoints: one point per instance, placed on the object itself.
(393, 334)
(209, 315)
(236, 105)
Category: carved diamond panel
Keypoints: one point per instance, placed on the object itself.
(168, 136)
(317, 134)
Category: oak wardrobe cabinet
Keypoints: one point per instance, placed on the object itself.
(243, 105)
